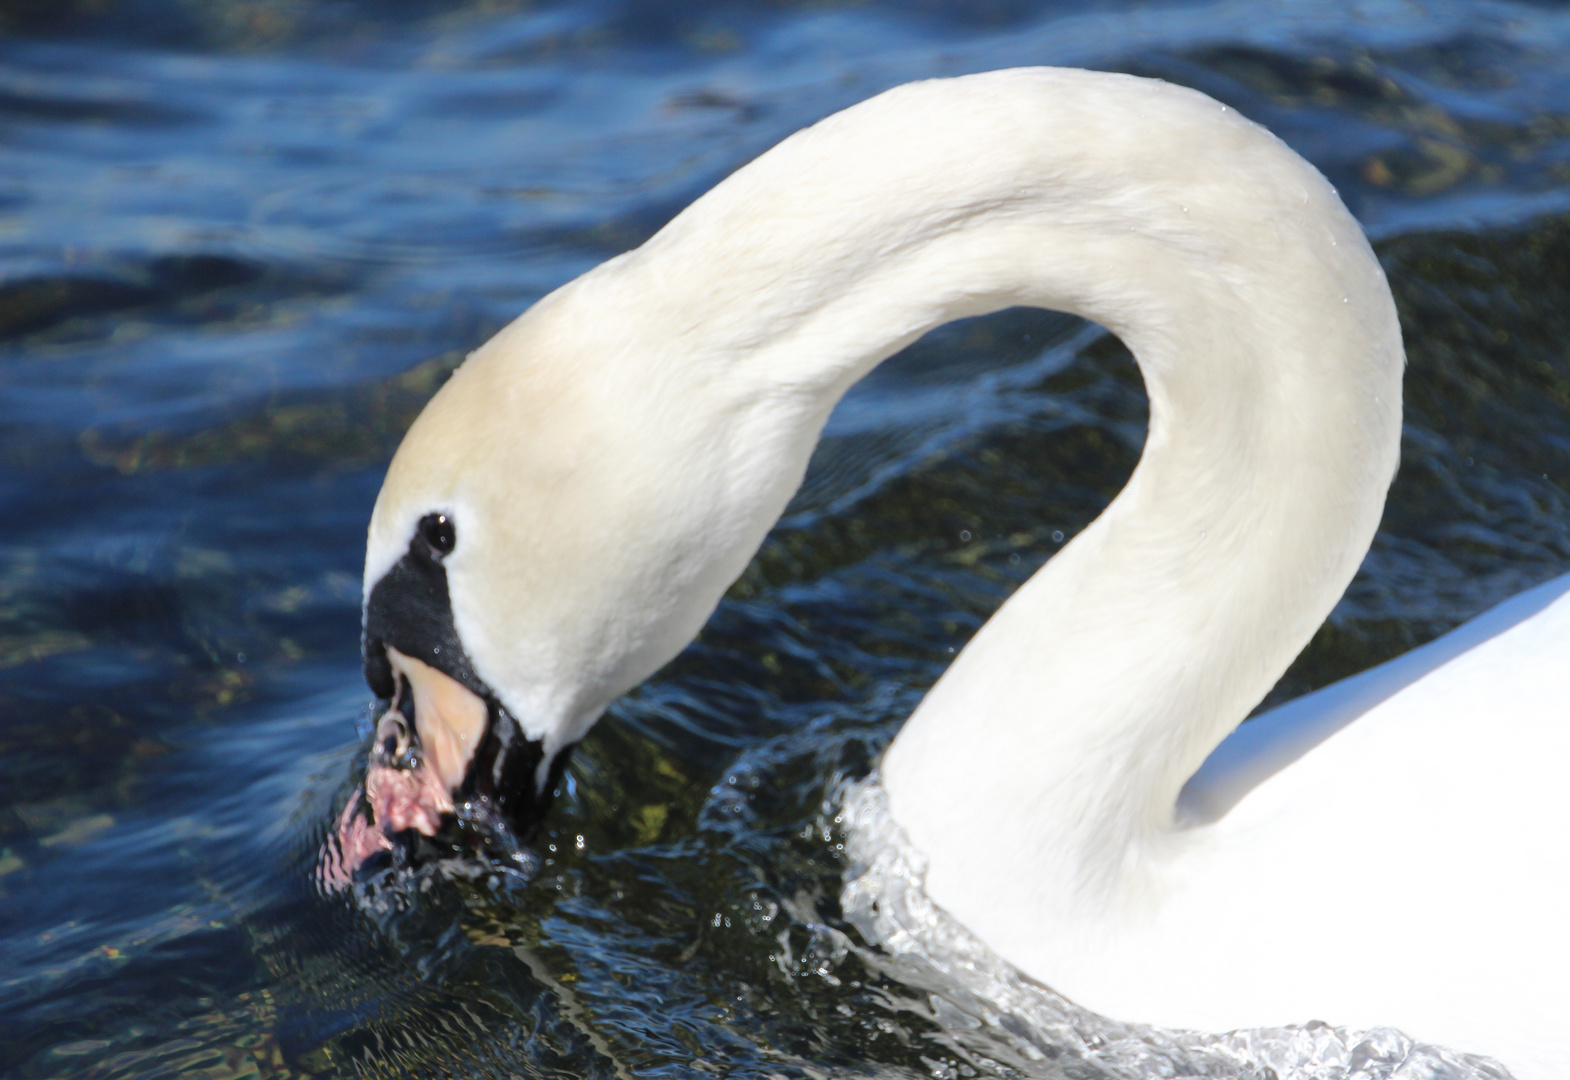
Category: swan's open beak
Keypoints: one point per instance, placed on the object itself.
(440, 751)
(445, 746)
(425, 742)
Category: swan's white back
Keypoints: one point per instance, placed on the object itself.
(614, 458)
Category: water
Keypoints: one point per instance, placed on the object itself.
(240, 244)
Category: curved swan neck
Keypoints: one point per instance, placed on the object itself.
(1272, 357)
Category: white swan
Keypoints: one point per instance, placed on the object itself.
(568, 510)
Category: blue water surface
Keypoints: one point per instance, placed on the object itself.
(242, 241)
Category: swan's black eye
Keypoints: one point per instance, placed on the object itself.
(439, 533)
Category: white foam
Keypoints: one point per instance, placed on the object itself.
(994, 1011)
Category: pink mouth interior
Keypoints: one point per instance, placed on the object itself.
(399, 799)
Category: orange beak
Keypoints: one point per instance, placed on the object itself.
(448, 717)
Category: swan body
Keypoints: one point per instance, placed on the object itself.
(1371, 877)
(613, 459)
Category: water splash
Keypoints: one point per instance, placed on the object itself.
(996, 1011)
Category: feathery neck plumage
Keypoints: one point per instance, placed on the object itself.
(1271, 353)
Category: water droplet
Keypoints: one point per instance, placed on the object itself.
(1057, 537)
(964, 534)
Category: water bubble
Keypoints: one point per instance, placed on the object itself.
(1057, 536)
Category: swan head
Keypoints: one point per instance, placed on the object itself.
(553, 528)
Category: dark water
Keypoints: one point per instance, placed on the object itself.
(242, 241)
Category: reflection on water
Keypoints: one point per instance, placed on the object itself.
(240, 245)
